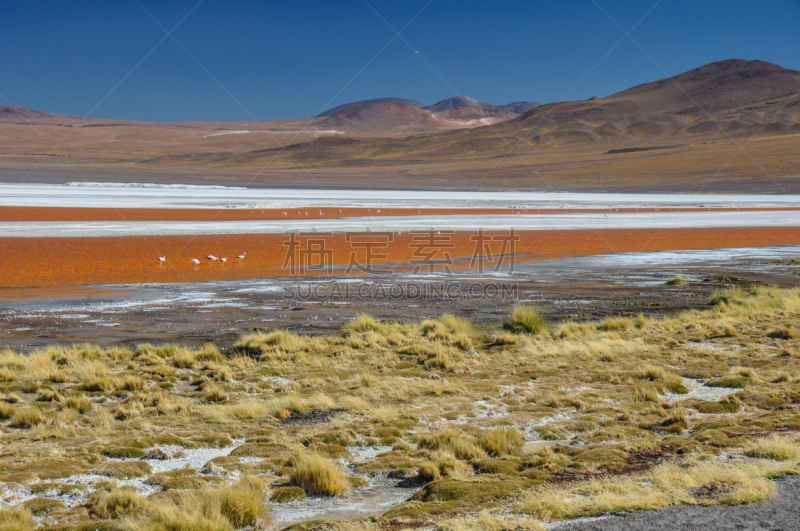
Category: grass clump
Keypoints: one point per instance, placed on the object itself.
(238, 506)
(27, 418)
(49, 395)
(16, 520)
(287, 494)
(525, 319)
(676, 281)
(501, 441)
(276, 345)
(114, 503)
(615, 323)
(316, 475)
(132, 383)
(124, 452)
(209, 352)
(214, 393)
(124, 469)
(242, 504)
(6, 410)
(774, 447)
(99, 384)
(363, 323)
(42, 506)
(81, 404)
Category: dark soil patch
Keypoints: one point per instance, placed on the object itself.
(311, 417)
(713, 491)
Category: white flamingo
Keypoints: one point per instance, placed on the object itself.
(162, 258)
(223, 259)
(241, 256)
(211, 257)
(195, 261)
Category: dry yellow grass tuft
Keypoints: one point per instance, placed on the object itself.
(6, 411)
(486, 521)
(525, 319)
(665, 485)
(501, 441)
(115, 503)
(16, 520)
(363, 323)
(243, 504)
(81, 404)
(774, 447)
(27, 418)
(316, 475)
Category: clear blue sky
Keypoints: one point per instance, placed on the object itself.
(292, 58)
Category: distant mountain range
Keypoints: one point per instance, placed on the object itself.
(459, 108)
(666, 123)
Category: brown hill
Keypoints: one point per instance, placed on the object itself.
(714, 86)
(388, 115)
(391, 118)
(23, 116)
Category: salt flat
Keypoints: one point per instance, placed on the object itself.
(143, 195)
(582, 221)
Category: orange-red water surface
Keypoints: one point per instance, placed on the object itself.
(29, 262)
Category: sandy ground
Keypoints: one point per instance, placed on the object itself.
(778, 513)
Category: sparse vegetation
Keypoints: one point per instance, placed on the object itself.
(482, 418)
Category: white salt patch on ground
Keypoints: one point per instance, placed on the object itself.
(488, 409)
(144, 195)
(15, 496)
(657, 220)
(362, 453)
(700, 392)
(576, 521)
(381, 495)
(195, 458)
(277, 379)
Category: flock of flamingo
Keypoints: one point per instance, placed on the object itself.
(210, 257)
